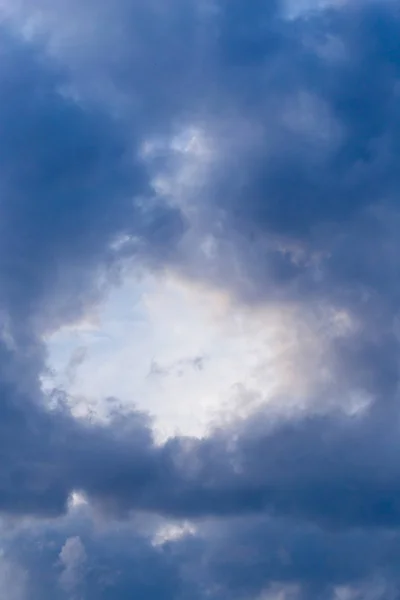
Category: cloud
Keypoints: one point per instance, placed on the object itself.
(72, 558)
(73, 187)
(287, 192)
(176, 322)
(248, 557)
(68, 191)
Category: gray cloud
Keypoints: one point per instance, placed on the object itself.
(235, 558)
(300, 204)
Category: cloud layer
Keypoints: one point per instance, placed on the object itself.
(249, 151)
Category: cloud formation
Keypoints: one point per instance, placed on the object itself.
(247, 150)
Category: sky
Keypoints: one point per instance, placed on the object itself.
(199, 299)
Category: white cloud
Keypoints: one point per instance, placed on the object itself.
(185, 354)
(72, 559)
(172, 532)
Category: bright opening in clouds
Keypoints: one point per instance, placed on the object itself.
(183, 353)
(199, 300)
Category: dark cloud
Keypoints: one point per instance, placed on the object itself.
(331, 469)
(72, 185)
(74, 558)
(78, 556)
(303, 187)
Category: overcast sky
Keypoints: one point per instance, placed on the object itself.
(200, 299)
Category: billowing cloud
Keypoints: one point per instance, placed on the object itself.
(249, 149)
